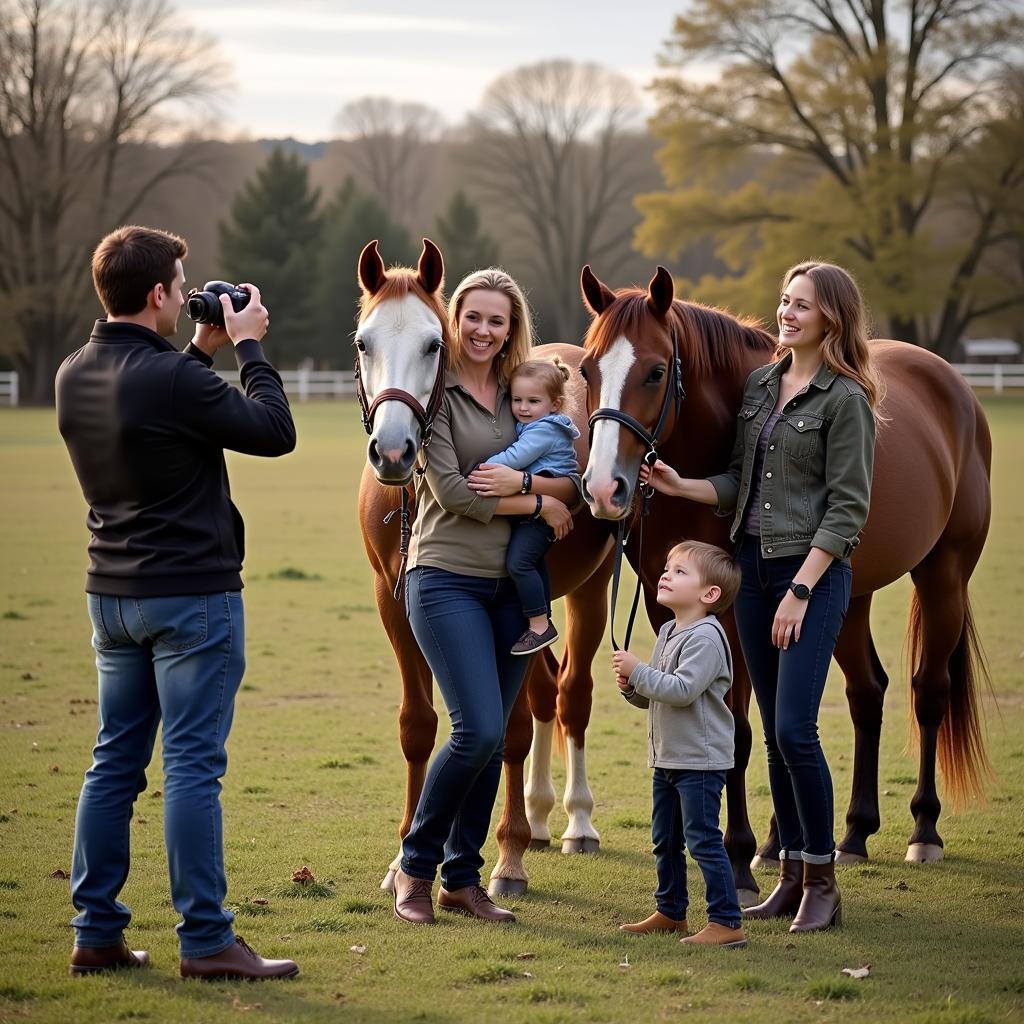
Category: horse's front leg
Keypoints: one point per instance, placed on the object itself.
(586, 613)
(509, 876)
(542, 687)
(417, 719)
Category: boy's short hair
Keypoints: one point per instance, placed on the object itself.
(131, 261)
(717, 568)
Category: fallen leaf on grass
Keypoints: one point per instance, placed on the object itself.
(59, 873)
(526, 956)
(237, 1004)
(261, 902)
(357, 949)
(303, 876)
(625, 962)
(857, 972)
(527, 974)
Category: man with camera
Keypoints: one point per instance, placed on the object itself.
(146, 427)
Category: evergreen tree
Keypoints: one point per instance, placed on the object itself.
(351, 220)
(465, 247)
(272, 239)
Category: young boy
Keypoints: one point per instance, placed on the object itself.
(690, 731)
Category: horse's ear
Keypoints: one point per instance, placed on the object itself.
(430, 271)
(660, 293)
(371, 268)
(596, 296)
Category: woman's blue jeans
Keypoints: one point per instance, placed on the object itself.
(685, 811)
(789, 686)
(465, 626)
(179, 661)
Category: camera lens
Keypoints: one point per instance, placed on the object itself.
(197, 308)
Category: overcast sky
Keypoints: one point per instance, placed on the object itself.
(296, 63)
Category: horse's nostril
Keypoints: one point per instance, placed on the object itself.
(410, 452)
(373, 453)
(621, 491)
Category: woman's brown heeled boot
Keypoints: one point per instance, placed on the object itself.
(821, 906)
(786, 896)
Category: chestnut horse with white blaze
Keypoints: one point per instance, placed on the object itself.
(929, 516)
(402, 341)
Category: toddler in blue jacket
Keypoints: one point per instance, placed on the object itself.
(544, 445)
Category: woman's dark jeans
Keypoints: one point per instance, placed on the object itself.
(529, 543)
(685, 811)
(465, 626)
(789, 685)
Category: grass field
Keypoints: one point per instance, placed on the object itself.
(316, 778)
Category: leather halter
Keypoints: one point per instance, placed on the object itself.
(674, 397)
(425, 419)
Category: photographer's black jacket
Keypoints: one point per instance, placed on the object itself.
(146, 427)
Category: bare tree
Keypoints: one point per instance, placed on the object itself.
(391, 149)
(554, 144)
(84, 86)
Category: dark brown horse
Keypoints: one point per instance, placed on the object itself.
(401, 341)
(930, 509)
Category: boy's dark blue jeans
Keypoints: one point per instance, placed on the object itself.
(789, 685)
(524, 560)
(686, 806)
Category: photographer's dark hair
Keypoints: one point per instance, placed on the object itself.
(129, 262)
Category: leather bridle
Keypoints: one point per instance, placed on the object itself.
(425, 419)
(673, 400)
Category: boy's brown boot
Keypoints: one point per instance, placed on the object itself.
(713, 934)
(657, 922)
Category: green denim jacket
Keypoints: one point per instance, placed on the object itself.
(816, 483)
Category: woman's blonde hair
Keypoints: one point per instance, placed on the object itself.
(517, 347)
(845, 347)
(552, 373)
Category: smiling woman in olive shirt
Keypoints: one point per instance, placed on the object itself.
(798, 488)
(460, 601)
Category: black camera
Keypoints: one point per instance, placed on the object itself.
(204, 306)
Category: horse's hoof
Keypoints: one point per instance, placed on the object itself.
(388, 883)
(842, 857)
(924, 853)
(766, 863)
(507, 887)
(539, 844)
(748, 897)
(586, 844)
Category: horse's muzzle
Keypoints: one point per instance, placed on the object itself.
(392, 465)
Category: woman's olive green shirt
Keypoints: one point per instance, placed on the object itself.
(456, 529)
(816, 475)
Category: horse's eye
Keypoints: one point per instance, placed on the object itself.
(435, 344)
(360, 347)
(656, 376)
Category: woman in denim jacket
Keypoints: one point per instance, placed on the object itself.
(798, 488)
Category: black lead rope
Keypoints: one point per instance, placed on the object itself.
(405, 533)
(674, 396)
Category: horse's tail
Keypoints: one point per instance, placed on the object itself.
(963, 760)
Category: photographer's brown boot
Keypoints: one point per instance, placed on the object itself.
(784, 900)
(413, 902)
(657, 922)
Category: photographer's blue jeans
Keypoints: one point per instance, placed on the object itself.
(178, 660)
(465, 626)
(789, 686)
(685, 811)
(529, 543)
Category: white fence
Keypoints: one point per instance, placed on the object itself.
(307, 384)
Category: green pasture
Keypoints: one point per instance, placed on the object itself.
(316, 779)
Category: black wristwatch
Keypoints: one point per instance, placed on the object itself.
(527, 483)
(800, 590)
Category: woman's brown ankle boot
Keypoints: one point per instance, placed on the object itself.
(821, 906)
(785, 898)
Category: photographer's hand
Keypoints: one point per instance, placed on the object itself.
(208, 338)
(251, 323)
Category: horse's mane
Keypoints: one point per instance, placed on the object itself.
(709, 339)
(398, 283)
